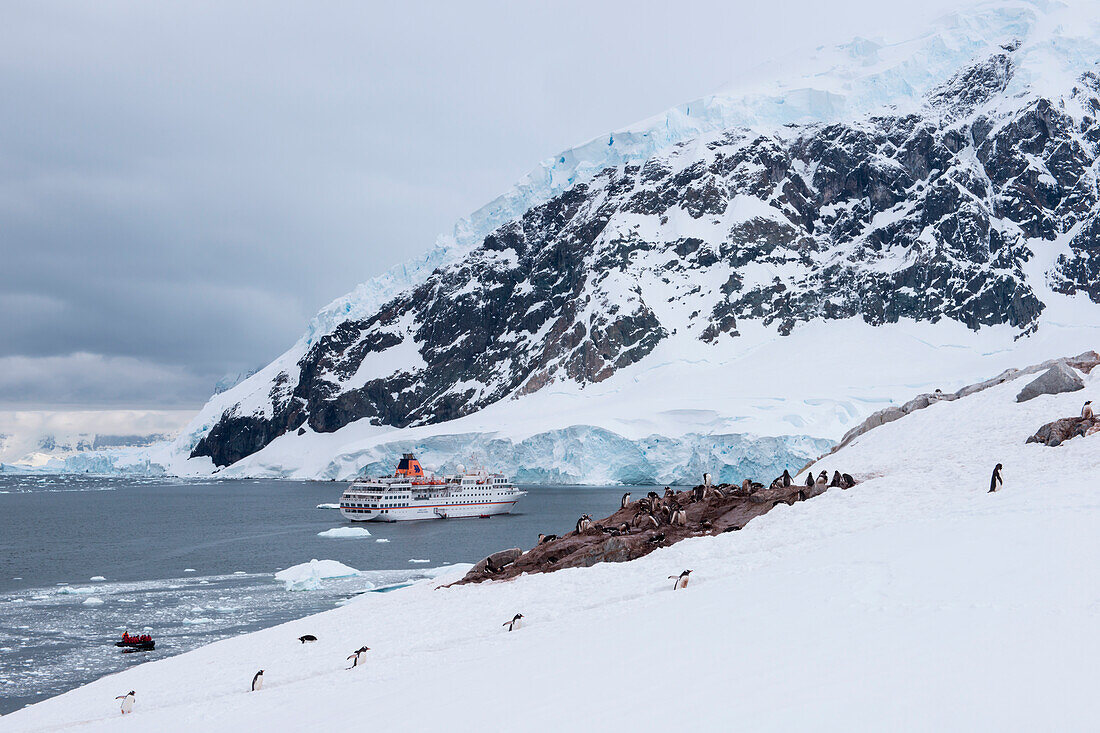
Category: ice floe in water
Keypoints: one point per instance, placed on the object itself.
(189, 570)
(308, 576)
(93, 601)
(415, 560)
(381, 540)
(97, 578)
(71, 591)
(344, 532)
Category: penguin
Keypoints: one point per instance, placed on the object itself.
(698, 493)
(810, 480)
(584, 523)
(823, 477)
(127, 702)
(836, 480)
(777, 483)
(544, 538)
(515, 623)
(669, 493)
(995, 481)
(307, 638)
(258, 681)
(706, 479)
(649, 519)
(624, 528)
(654, 498)
(358, 656)
(681, 580)
(849, 482)
(679, 516)
(1086, 411)
(625, 500)
(787, 480)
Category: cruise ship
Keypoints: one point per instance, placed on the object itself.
(411, 494)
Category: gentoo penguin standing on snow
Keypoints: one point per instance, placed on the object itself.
(1086, 411)
(307, 638)
(810, 480)
(258, 681)
(358, 656)
(786, 478)
(127, 702)
(681, 580)
(996, 481)
(625, 500)
(515, 623)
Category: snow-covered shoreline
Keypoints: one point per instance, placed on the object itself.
(915, 600)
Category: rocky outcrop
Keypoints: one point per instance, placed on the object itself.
(1055, 433)
(1064, 367)
(1059, 378)
(725, 510)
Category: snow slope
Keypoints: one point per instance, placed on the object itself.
(914, 601)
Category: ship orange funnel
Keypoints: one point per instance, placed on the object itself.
(409, 466)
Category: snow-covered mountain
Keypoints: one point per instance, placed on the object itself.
(747, 275)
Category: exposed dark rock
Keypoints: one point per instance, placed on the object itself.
(497, 562)
(1059, 378)
(1057, 432)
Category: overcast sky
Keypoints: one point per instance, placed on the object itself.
(182, 185)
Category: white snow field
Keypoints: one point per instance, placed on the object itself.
(913, 601)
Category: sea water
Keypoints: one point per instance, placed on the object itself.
(191, 562)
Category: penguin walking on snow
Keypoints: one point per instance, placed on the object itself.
(307, 638)
(996, 480)
(358, 656)
(1086, 410)
(127, 702)
(515, 623)
(810, 480)
(258, 681)
(681, 580)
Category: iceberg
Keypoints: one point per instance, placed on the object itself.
(344, 532)
(308, 576)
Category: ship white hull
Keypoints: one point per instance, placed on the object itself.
(433, 511)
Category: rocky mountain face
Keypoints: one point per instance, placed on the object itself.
(930, 215)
